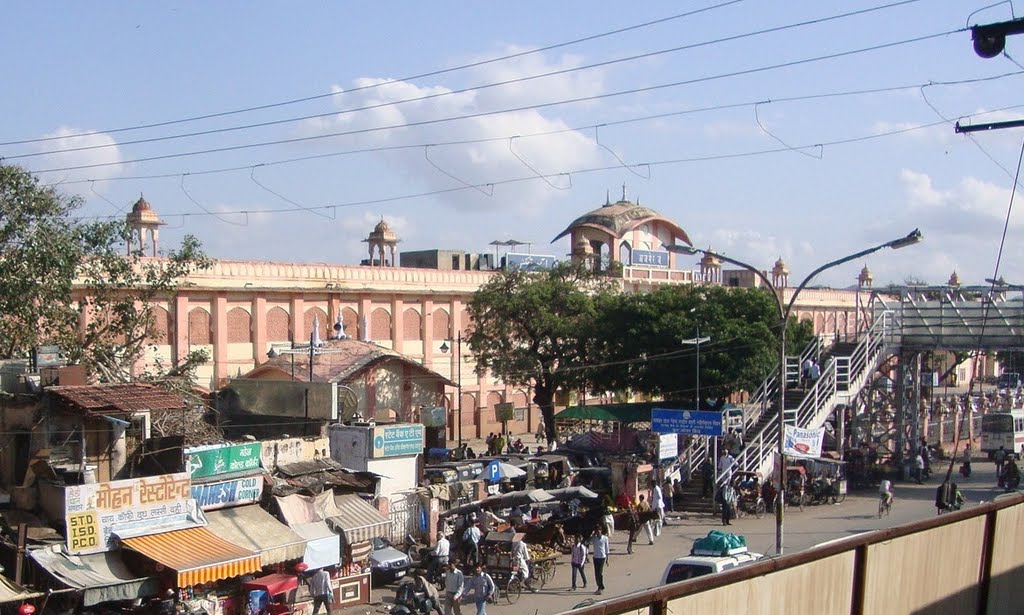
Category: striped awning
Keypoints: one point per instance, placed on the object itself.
(196, 554)
(357, 520)
(255, 529)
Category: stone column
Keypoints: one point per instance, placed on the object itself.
(181, 341)
(259, 329)
(220, 338)
(298, 307)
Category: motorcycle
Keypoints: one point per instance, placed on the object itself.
(412, 600)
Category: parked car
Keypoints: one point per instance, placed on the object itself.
(692, 566)
(387, 564)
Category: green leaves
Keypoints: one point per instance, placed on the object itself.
(68, 282)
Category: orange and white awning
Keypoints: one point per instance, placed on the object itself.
(196, 554)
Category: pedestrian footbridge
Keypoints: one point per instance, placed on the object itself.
(900, 322)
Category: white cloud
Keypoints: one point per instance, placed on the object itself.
(451, 166)
(972, 197)
(107, 153)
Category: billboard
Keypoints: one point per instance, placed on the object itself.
(529, 262)
(504, 411)
(648, 258)
(397, 440)
(216, 459)
(211, 496)
(691, 422)
(94, 511)
(802, 442)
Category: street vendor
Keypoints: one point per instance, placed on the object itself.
(521, 558)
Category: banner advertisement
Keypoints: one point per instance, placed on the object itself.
(223, 459)
(433, 417)
(211, 496)
(94, 511)
(397, 440)
(803, 442)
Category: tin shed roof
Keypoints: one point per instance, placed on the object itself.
(101, 399)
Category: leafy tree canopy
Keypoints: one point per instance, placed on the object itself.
(643, 349)
(534, 329)
(68, 282)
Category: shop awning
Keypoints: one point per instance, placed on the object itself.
(323, 547)
(100, 577)
(255, 529)
(296, 509)
(621, 413)
(196, 554)
(12, 592)
(357, 520)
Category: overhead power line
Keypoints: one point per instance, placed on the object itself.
(466, 116)
(448, 93)
(533, 177)
(605, 124)
(432, 73)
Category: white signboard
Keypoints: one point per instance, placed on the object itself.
(668, 446)
(803, 442)
(94, 511)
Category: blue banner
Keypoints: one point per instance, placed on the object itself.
(691, 422)
(648, 258)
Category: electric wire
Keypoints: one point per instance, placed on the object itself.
(582, 171)
(446, 93)
(595, 127)
(480, 114)
(432, 73)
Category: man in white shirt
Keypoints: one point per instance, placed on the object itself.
(440, 556)
(658, 504)
(454, 585)
(725, 463)
(599, 545)
(320, 588)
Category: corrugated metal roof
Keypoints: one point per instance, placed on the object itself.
(115, 398)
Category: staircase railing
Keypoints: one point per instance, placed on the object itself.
(761, 402)
(842, 378)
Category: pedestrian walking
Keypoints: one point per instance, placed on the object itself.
(609, 522)
(579, 562)
(669, 494)
(320, 588)
(481, 588)
(999, 457)
(725, 466)
(599, 546)
(658, 503)
(707, 475)
(643, 506)
(727, 497)
(471, 541)
(454, 585)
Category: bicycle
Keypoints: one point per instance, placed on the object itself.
(884, 506)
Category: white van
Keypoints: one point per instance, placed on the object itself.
(697, 565)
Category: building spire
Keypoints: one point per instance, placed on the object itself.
(623, 191)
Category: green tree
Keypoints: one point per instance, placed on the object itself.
(69, 282)
(534, 329)
(642, 350)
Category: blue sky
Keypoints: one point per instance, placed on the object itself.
(732, 157)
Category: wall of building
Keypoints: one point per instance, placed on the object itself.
(397, 473)
(237, 309)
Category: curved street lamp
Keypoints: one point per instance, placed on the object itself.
(784, 310)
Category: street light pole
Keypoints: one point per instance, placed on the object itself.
(458, 381)
(697, 341)
(784, 312)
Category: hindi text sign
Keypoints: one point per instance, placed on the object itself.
(223, 459)
(397, 440)
(691, 422)
(93, 511)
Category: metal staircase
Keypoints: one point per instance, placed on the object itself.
(841, 380)
(848, 367)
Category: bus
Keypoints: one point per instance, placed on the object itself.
(1004, 429)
